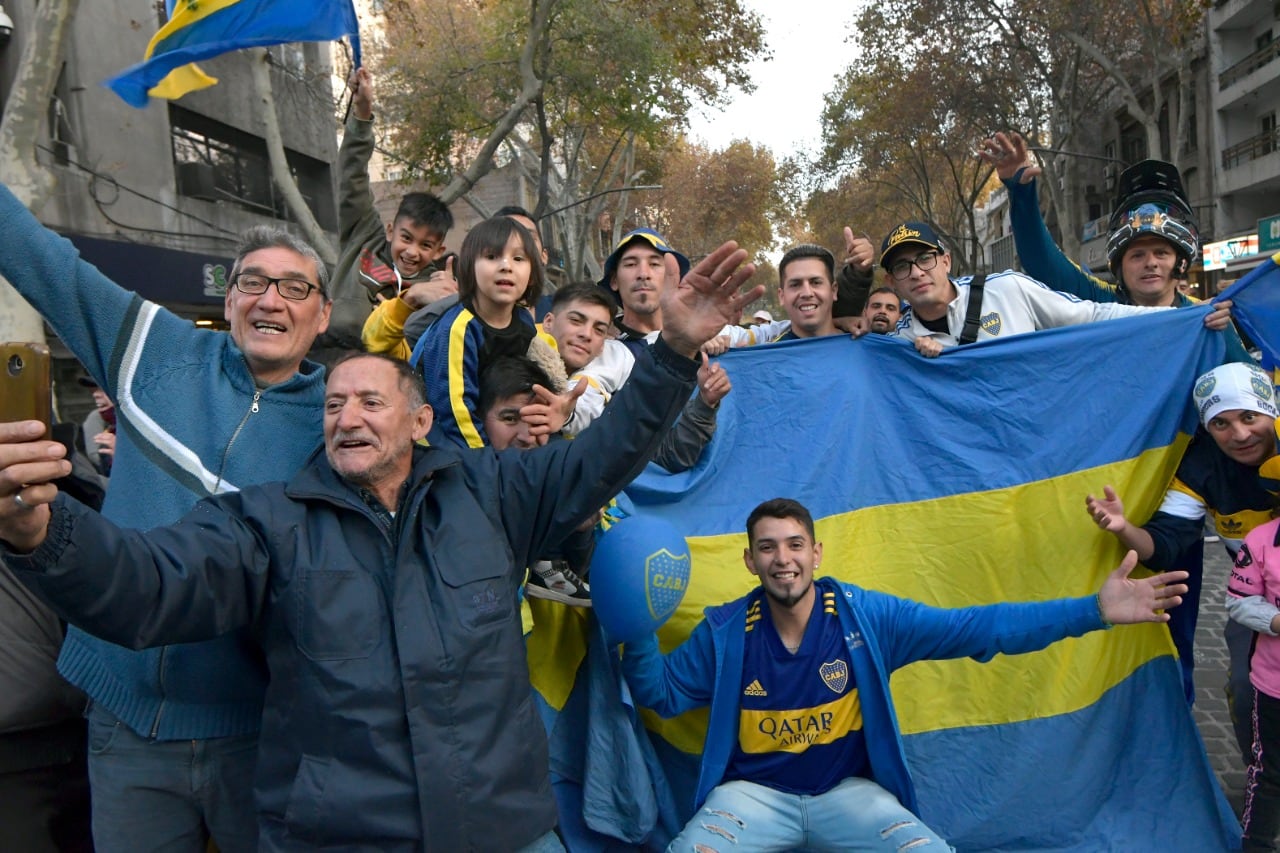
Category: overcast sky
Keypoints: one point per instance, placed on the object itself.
(807, 38)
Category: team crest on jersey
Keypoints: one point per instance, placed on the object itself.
(1261, 387)
(1243, 558)
(835, 675)
(1205, 387)
(991, 323)
(666, 576)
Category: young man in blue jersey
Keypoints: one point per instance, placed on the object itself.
(802, 747)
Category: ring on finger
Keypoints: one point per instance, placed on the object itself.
(17, 499)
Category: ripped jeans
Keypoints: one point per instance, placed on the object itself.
(857, 814)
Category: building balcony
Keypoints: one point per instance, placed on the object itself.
(1251, 149)
(1252, 168)
(1258, 59)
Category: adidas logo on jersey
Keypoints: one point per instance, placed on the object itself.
(755, 689)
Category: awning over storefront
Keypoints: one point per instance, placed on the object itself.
(165, 276)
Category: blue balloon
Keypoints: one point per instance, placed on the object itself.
(639, 574)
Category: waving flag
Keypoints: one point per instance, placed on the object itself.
(1257, 307)
(960, 481)
(200, 29)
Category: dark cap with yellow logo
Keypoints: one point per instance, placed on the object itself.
(909, 232)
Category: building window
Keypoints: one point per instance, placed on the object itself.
(1268, 140)
(216, 162)
(1135, 149)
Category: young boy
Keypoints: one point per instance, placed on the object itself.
(396, 261)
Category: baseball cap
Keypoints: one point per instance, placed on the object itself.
(910, 231)
(763, 316)
(647, 235)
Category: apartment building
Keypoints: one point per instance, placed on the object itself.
(1244, 52)
(156, 197)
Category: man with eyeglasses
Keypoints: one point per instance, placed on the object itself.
(943, 312)
(380, 582)
(173, 731)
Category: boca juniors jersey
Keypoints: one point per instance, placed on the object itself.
(799, 723)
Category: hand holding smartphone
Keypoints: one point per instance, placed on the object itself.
(25, 390)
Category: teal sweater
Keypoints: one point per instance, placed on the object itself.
(190, 424)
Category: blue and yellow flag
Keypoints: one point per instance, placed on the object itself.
(200, 29)
(1257, 307)
(960, 481)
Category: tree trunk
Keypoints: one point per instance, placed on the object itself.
(20, 131)
(260, 63)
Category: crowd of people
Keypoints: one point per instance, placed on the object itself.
(296, 619)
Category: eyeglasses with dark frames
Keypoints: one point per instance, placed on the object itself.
(925, 261)
(295, 289)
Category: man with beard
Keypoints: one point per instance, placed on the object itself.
(633, 276)
(802, 747)
(883, 311)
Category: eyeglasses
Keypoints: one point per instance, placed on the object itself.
(290, 288)
(925, 261)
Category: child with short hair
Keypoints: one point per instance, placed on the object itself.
(378, 262)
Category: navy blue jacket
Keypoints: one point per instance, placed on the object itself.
(398, 714)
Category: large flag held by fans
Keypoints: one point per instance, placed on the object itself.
(959, 481)
(208, 28)
(1257, 300)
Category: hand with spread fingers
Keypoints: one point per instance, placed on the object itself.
(1124, 600)
(1008, 153)
(695, 308)
(1107, 511)
(28, 465)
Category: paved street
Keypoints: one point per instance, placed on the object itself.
(1211, 673)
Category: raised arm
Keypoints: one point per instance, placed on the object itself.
(87, 310)
(856, 276)
(357, 217)
(547, 491)
(1041, 257)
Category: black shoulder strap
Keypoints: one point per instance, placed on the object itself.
(973, 313)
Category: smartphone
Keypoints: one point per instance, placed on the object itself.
(25, 390)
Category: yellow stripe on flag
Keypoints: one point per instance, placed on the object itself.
(906, 549)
